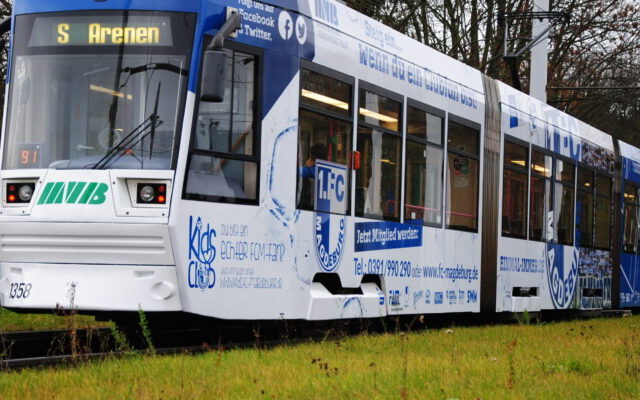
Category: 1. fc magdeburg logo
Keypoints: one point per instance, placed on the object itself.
(330, 235)
(562, 274)
(331, 205)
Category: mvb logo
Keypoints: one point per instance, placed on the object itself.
(327, 11)
(74, 193)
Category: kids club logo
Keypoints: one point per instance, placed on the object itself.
(562, 281)
(330, 199)
(202, 252)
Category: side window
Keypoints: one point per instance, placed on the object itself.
(224, 161)
(424, 164)
(324, 134)
(603, 212)
(463, 154)
(584, 207)
(380, 147)
(514, 190)
(540, 204)
(563, 202)
(630, 218)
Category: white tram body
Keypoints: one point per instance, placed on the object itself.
(344, 174)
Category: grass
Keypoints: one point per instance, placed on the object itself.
(591, 359)
(10, 321)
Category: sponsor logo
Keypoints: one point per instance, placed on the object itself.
(202, 253)
(427, 296)
(562, 275)
(417, 297)
(438, 298)
(74, 193)
(472, 296)
(452, 297)
(394, 297)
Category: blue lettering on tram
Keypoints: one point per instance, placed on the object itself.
(202, 252)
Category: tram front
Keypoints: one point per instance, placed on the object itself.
(94, 111)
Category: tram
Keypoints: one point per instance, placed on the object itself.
(292, 159)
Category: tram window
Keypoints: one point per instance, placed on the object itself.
(228, 127)
(563, 202)
(415, 182)
(603, 212)
(565, 171)
(324, 133)
(380, 111)
(325, 93)
(463, 138)
(515, 156)
(224, 165)
(540, 203)
(424, 125)
(319, 138)
(540, 208)
(462, 177)
(220, 179)
(435, 166)
(584, 208)
(424, 164)
(630, 218)
(541, 164)
(379, 177)
(514, 190)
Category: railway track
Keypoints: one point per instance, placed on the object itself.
(72, 346)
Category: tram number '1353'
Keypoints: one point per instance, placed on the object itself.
(20, 290)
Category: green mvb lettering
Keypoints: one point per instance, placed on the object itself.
(73, 193)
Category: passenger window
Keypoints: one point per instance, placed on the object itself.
(603, 212)
(424, 164)
(462, 176)
(380, 147)
(563, 202)
(584, 208)
(540, 204)
(514, 190)
(224, 161)
(630, 218)
(324, 135)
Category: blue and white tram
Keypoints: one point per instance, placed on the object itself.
(310, 164)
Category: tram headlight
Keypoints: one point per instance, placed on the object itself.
(147, 193)
(18, 193)
(151, 193)
(25, 193)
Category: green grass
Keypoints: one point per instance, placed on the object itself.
(10, 321)
(593, 359)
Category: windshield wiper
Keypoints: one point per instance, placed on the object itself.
(131, 140)
(155, 66)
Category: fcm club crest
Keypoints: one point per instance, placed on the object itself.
(330, 199)
(202, 252)
(562, 274)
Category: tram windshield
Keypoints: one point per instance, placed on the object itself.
(95, 90)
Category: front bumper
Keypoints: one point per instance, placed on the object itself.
(89, 287)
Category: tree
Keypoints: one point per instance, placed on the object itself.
(5, 11)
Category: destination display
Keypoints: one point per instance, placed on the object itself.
(152, 30)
